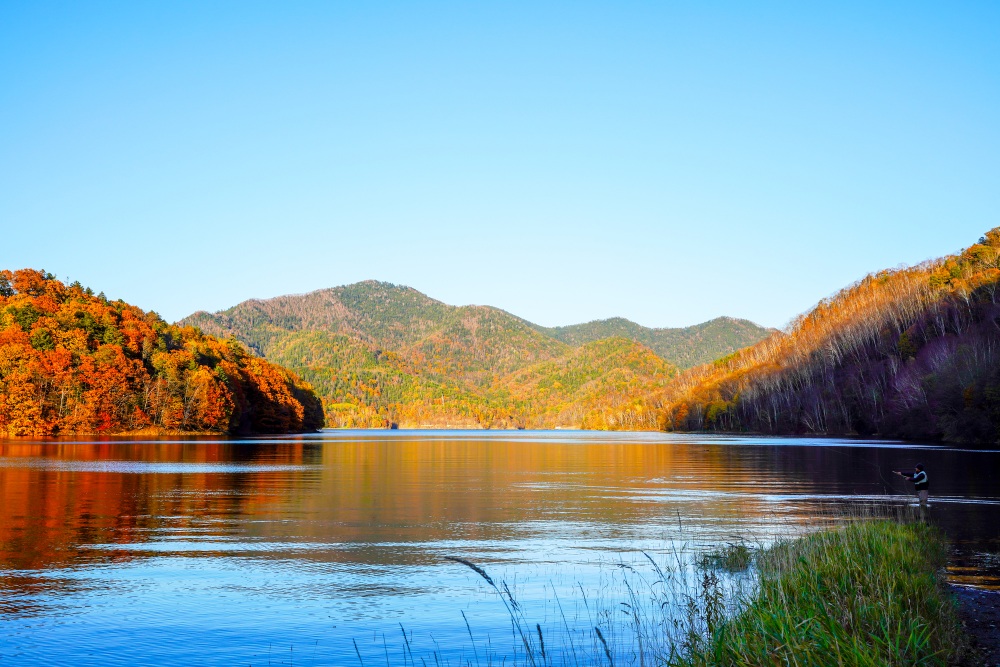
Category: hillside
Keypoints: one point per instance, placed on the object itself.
(580, 387)
(908, 353)
(73, 362)
(381, 354)
(476, 343)
(683, 347)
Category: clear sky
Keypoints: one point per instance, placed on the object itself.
(666, 161)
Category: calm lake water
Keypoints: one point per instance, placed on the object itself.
(311, 550)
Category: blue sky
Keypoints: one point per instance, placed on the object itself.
(668, 162)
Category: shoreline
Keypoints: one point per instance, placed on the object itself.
(871, 592)
(150, 433)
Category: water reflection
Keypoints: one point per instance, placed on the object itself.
(104, 541)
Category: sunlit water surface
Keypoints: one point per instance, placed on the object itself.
(323, 549)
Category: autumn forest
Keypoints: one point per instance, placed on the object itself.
(75, 362)
(904, 353)
(382, 355)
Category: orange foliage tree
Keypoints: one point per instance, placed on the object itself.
(73, 362)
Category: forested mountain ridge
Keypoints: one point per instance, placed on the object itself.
(73, 362)
(910, 353)
(396, 317)
(469, 340)
(386, 354)
(685, 347)
(378, 313)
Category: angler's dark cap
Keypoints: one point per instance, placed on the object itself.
(920, 466)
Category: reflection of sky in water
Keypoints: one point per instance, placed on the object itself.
(221, 552)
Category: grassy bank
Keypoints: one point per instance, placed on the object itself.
(867, 594)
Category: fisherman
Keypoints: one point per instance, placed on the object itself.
(920, 483)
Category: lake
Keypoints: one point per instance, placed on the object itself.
(324, 549)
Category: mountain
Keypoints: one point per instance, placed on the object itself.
(471, 343)
(904, 353)
(72, 362)
(684, 347)
(381, 354)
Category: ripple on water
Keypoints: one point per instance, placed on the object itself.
(286, 550)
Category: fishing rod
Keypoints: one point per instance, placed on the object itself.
(887, 484)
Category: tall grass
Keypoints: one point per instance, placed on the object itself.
(645, 614)
(866, 591)
(866, 594)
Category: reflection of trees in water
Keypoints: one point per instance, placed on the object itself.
(382, 501)
(48, 512)
(25, 594)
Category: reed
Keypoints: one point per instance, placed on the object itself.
(867, 594)
(641, 618)
(733, 557)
